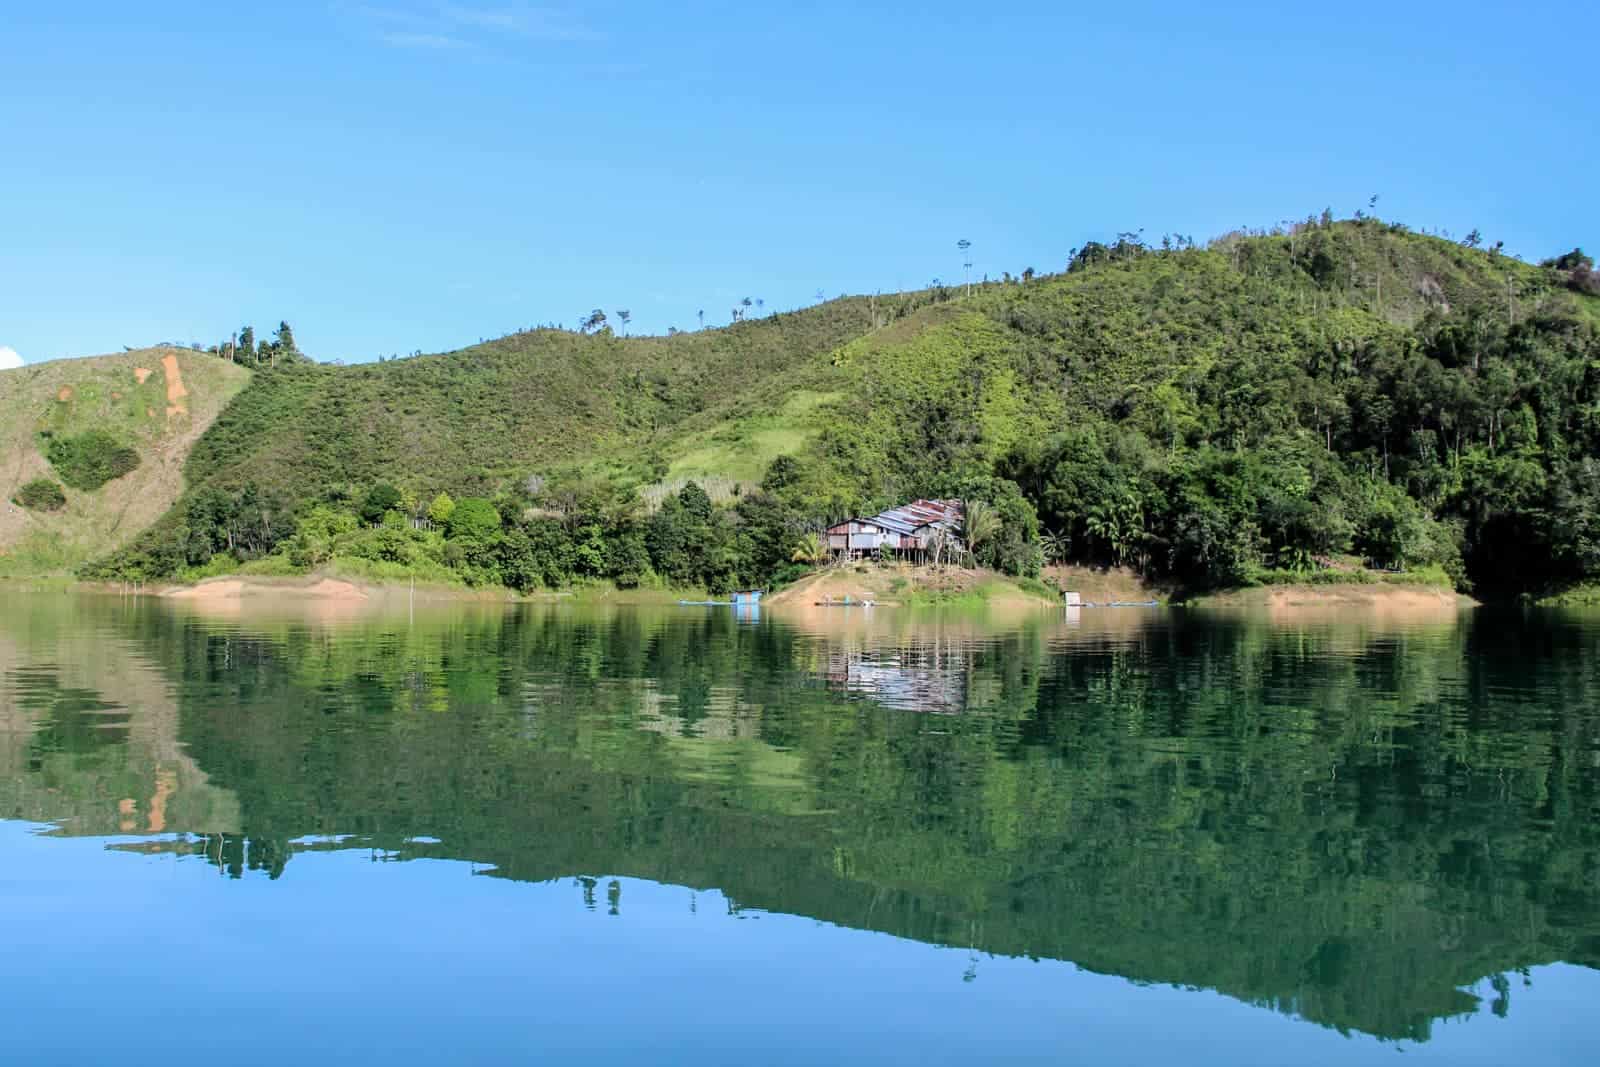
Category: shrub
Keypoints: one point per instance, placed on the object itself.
(90, 459)
(1584, 280)
(474, 519)
(382, 498)
(41, 494)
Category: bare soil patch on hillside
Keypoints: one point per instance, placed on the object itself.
(177, 394)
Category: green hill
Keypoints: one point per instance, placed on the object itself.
(472, 420)
(1299, 403)
(143, 409)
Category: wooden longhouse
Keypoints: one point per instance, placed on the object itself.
(910, 531)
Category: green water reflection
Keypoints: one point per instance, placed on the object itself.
(1347, 821)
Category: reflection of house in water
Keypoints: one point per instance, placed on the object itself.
(715, 713)
(928, 677)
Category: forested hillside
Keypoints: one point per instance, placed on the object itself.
(1297, 404)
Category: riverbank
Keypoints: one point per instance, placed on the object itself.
(907, 586)
(1394, 596)
(886, 586)
(333, 587)
(1107, 585)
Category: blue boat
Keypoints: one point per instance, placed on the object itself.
(748, 598)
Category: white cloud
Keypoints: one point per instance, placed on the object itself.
(450, 26)
(544, 24)
(420, 40)
(9, 360)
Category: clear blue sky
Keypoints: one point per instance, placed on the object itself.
(402, 175)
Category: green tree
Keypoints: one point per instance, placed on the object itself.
(473, 519)
(283, 341)
(811, 548)
(381, 498)
(441, 509)
(980, 525)
(627, 558)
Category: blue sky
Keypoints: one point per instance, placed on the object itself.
(404, 175)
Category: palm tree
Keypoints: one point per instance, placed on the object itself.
(1119, 524)
(980, 524)
(1055, 546)
(812, 548)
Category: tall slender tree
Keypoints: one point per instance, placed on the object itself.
(980, 524)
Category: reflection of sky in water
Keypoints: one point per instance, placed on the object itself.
(421, 962)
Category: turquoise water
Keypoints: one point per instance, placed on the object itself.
(470, 833)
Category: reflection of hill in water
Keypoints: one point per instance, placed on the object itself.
(88, 728)
(1348, 825)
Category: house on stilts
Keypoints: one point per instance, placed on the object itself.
(919, 531)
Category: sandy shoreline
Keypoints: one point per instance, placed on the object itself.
(1383, 604)
(235, 588)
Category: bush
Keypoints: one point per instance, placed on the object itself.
(90, 459)
(41, 494)
(1584, 280)
(382, 498)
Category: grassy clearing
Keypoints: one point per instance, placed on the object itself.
(907, 586)
(742, 449)
(122, 398)
(992, 591)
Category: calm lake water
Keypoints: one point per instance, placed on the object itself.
(515, 834)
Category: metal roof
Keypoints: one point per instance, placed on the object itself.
(917, 515)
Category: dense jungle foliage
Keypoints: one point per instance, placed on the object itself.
(1315, 403)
